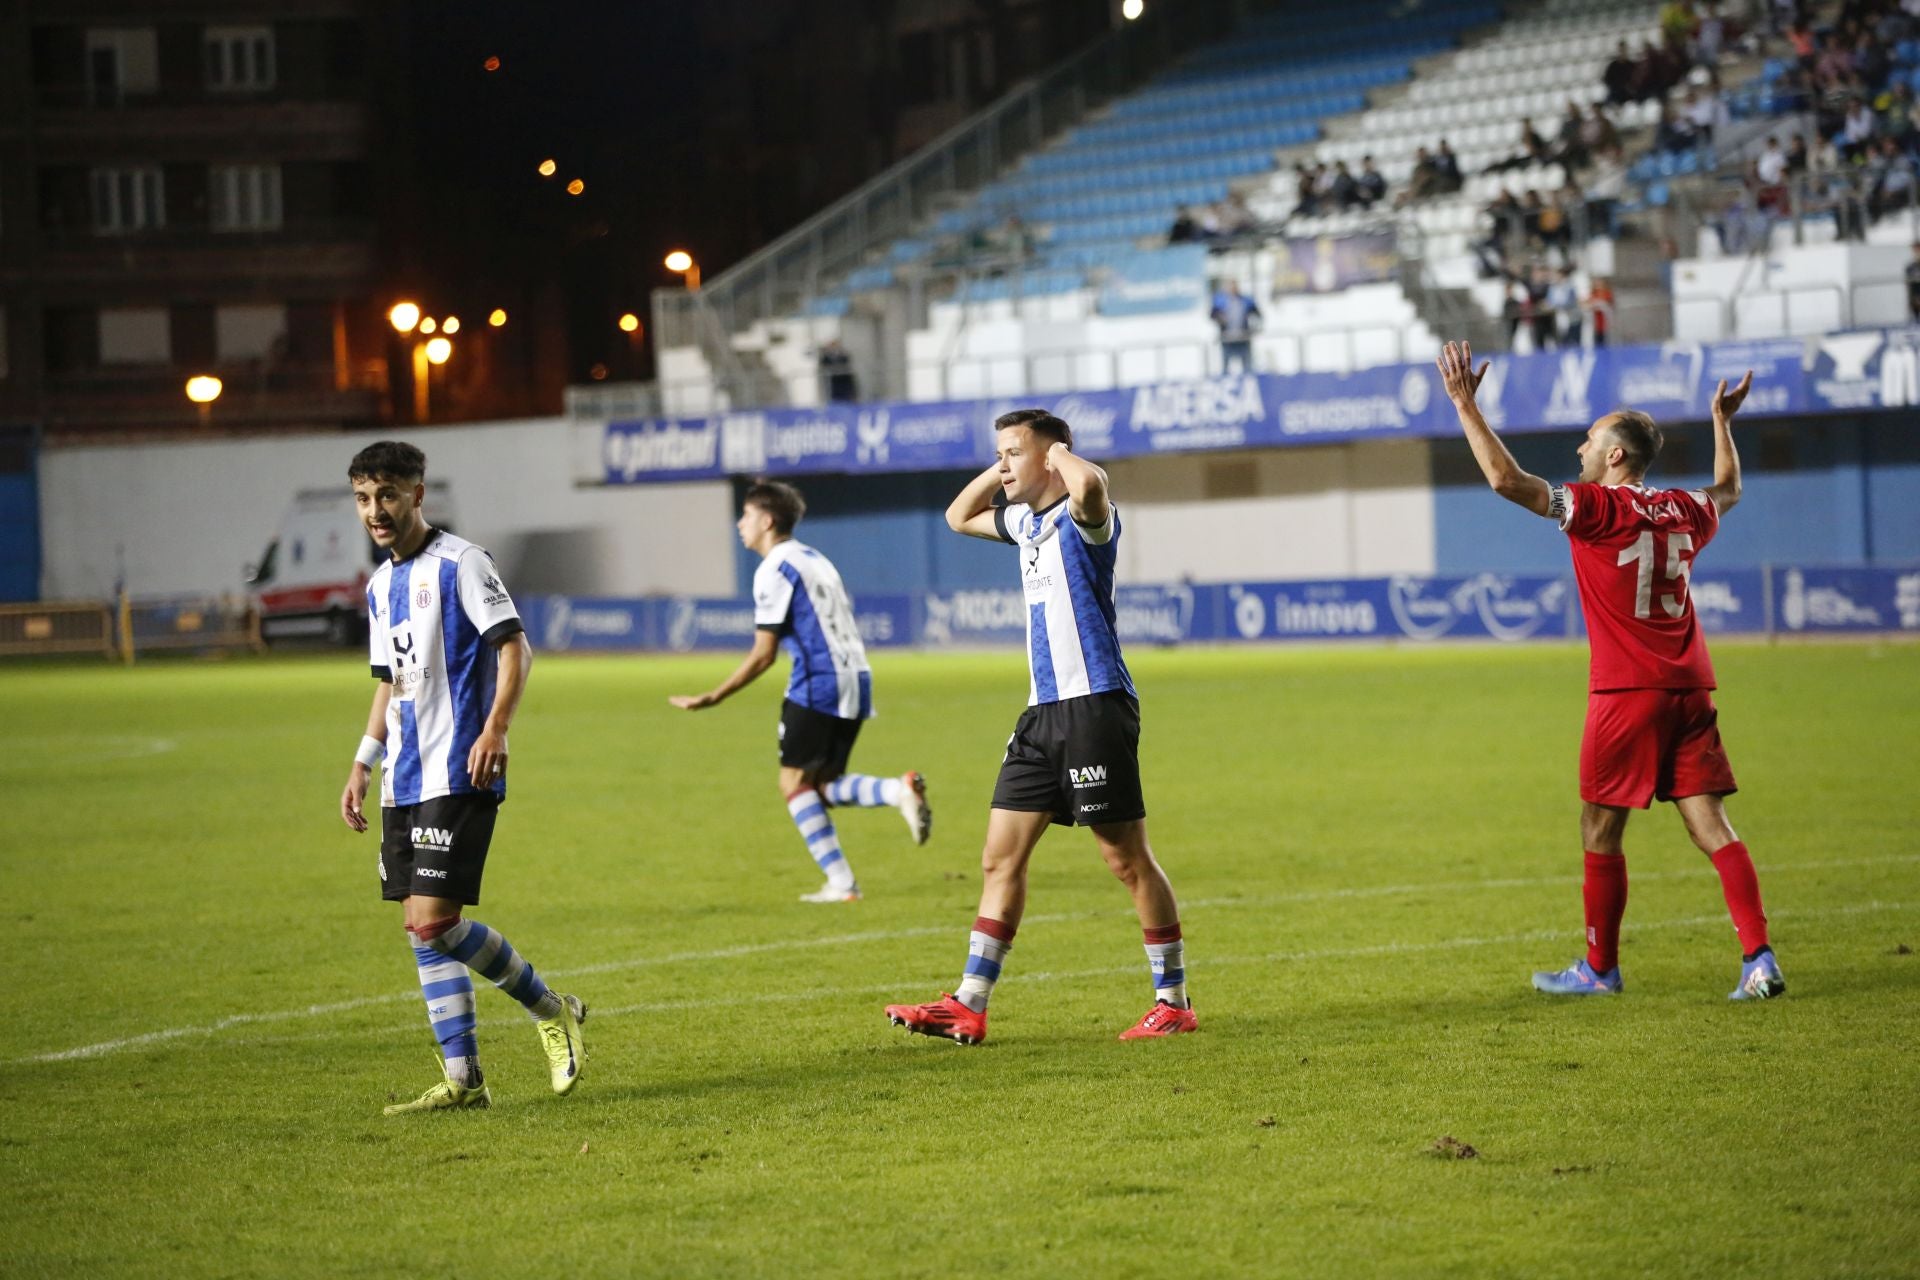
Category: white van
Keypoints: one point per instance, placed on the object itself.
(311, 581)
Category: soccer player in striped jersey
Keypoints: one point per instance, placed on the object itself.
(1652, 730)
(1074, 755)
(451, 659)
(798, 598)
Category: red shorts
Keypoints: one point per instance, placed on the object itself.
(1647, 744)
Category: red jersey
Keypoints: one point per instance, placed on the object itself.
(1633, 552)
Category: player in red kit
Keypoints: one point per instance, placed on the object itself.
(1652, 729)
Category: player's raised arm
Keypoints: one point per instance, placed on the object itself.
(766, 647)
(1725, 489)
(353, 800)
(972, 512)
(1505, 475)
(1086, 486)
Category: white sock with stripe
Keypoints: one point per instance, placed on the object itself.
(809, 816)
(863, 790)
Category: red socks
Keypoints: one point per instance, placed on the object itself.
(1742, 888)
(1605, 893)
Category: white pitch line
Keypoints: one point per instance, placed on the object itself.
(821, 993)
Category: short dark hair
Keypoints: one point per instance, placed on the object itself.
(1038, 421)
(780, 501)
(388, 460)
(1638, 437)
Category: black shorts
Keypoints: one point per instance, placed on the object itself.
(437, 848)
(815, 741)
(1078, 760)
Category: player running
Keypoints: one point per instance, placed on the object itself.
(452, 660)
(1652, 729)
(1074, 755)
(798, 597)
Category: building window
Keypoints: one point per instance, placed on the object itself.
(244, 197)
(130, 199)
(239, 59)
(135, 335)
(121, 61)
(249, 332)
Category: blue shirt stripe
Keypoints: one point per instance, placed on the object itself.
(813, 683)
(406, 763)
(1041, 654)
(1090, 585)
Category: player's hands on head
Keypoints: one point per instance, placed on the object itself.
(1456, 371)
(1727, 403)
(693, 702)
(1054, 450)
(353, 799)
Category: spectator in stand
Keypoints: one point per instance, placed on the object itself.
(1796, 157)
(1710, 37)
(1238, 318)
(1704, 112)
(1674, 132)
(1208, 219)
(1806, 50)
(1678, 22)
(1857, 130)
(1597, 133)
(1184, 229)
(1423, 182)
(1563, 304)
(1531, 209)
(1236, 217)
(1900, 115)
(1871, 62)
(1371, 182)
(1834, 66)
(836, 371)
(1555, 226)
(1504, 222)
(1769, 183)
(1447, 166)
(1533, 151)
(1606, 184)
(1890, 174)
(1913, 284)
(1620, 76)
(1344, 192)
(1323, 179)
(1306, 202)
(1600, 307)
(1569, 145)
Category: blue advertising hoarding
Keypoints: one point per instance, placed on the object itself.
(1550, 391)
(1782, 600)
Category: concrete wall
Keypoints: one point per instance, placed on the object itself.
(182, 518)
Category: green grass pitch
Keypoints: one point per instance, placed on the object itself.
(207, 1006)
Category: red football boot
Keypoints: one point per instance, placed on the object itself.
(1162, 1020)
(945, 1017)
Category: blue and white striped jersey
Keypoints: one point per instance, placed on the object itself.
(1072, 646)
(797, 593)
(432, 623)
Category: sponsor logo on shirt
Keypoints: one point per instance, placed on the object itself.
(432, 838)
(1092, 775)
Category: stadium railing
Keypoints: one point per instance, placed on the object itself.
(121, 629)
(47, 628)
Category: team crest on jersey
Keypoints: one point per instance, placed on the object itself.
(423, 598)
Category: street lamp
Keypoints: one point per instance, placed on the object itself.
(682, 261)
(203, 389)
(429, 324)
(629, 322)
(438, 350)
(450, 325)
(499, 317)
(404, 316)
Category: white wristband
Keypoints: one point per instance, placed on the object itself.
(372, 751)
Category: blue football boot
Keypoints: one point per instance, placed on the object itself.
(1579, 979)
(1760, 978)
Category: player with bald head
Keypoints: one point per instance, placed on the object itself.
(1652, 728)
